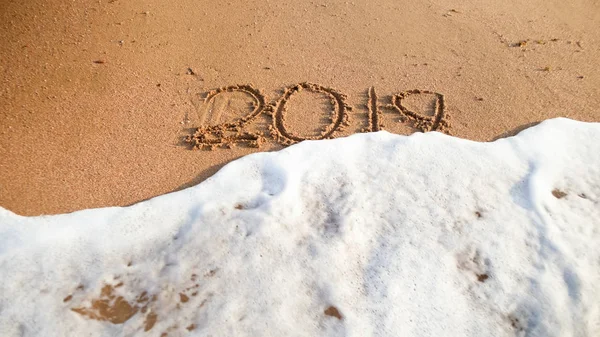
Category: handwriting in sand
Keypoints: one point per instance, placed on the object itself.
(231, 133)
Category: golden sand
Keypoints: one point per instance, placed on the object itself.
(101, 100)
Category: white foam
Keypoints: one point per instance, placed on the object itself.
(397, 233)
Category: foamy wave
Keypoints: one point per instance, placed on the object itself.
(371, 235)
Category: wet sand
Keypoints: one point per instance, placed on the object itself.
(100, 100)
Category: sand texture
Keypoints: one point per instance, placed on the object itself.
(102, 103)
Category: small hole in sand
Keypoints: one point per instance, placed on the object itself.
(183, 298)
(143, 297)
(211, 273)
(558, 194)
(482, 277)
(515, 323)
(333, 312)
(583, 196)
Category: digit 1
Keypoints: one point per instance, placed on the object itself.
(374, 115)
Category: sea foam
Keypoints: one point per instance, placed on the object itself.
(370, 235)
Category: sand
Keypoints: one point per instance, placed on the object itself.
(100, 100)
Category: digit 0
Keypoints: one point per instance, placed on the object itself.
(339, 114)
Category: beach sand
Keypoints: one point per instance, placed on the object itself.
(97, 97)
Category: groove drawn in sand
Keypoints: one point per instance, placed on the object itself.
(228, 134)
(374, 115)
(339, 114)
